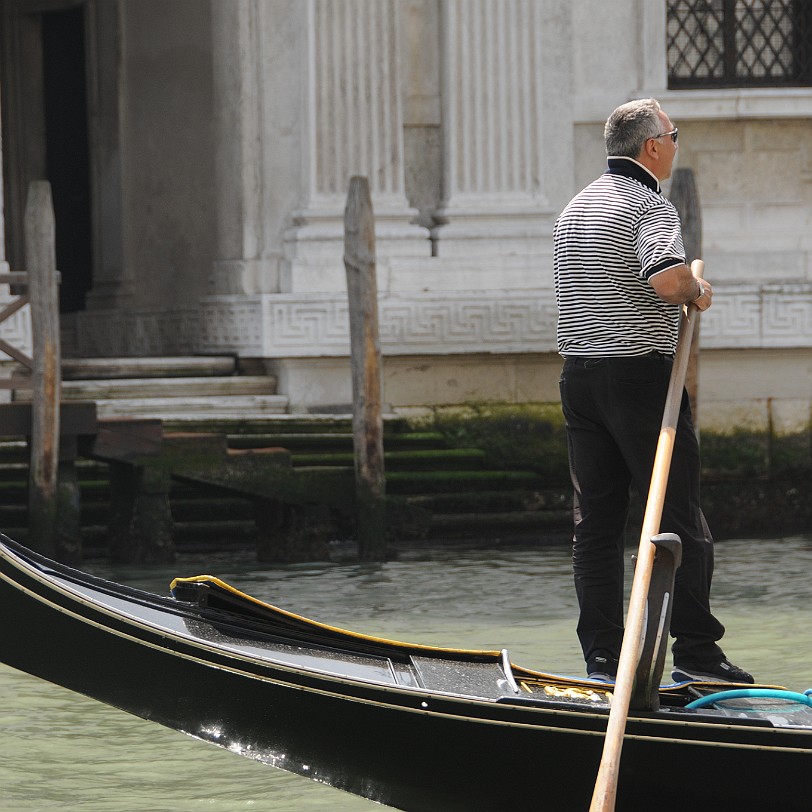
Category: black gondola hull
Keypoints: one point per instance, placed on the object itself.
(410, 748)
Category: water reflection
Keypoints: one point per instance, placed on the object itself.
(62, 751)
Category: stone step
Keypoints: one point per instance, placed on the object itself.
(178, 367)
(128, 388)
(177, 389)
(280, 424)
(434, 492)
(13, 452)
(319, 442)
(182, 410)
(444, 481)
(443, 459)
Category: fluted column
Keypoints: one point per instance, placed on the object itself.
(493, 104)
(353, 126)
(249, 246)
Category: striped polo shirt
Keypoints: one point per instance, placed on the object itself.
(608, 242)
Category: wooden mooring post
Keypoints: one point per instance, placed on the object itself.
(367, 388)
(685, 198)
(52, 428)
(41, 280)
(46, 377)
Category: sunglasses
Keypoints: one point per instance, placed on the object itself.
(673, 134)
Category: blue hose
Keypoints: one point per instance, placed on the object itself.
(772, 693)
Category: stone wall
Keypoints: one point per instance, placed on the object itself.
(168, 211)
(756, 479)
(237, 125)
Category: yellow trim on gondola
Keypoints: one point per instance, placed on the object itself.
(355, 635)
(529, 677)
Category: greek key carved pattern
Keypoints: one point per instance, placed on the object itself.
(500, 323)
(285, 325)
(309, 324)
(772, 316)
(487, 321)
(733, 320)
(787, 319)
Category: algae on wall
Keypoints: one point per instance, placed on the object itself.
(753, 482)
(527, 436)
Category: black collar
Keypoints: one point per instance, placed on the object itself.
(629, 168)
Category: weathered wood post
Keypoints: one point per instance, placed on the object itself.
(40, 260)
(685, 198)
(365, 352)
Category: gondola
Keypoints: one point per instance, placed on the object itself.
(409, 726)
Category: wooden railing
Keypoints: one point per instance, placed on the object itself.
(40, 281)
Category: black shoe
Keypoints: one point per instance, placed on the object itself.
(602, 666)
(722, 671)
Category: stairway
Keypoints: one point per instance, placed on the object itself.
(435, 492)
(175, 389)
(95, 489)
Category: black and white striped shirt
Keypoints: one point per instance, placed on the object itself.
(608, 242)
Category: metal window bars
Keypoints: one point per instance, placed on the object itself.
(739, 43)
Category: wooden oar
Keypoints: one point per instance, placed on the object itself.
(605, 793)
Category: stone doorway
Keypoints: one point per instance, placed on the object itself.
(55, 128)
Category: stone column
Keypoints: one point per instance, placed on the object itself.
(494, 100)
(353, 125)
(113, 281)
(244, 36)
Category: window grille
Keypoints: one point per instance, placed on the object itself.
(739, 43)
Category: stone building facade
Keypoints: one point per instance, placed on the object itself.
(221, 136)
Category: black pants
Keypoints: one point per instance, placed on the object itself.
(613, 409)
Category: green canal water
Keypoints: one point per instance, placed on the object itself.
(61, 751)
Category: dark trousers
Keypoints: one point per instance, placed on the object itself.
(613, 409)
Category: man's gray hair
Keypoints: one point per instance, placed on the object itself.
(630, 126)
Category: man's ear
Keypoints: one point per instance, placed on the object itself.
(651, 148)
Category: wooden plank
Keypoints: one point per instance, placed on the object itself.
(9, 349)
(15, 383)
(12, 307)
(17, 355)
(14, 278)
(76, 418)
(365, 360)
(126, 440)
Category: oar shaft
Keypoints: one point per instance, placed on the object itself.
(605, 793)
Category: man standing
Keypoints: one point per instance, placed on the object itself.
(620, 281)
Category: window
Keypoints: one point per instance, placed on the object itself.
(739, 43)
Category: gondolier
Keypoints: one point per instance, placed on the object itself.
(620, 279)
